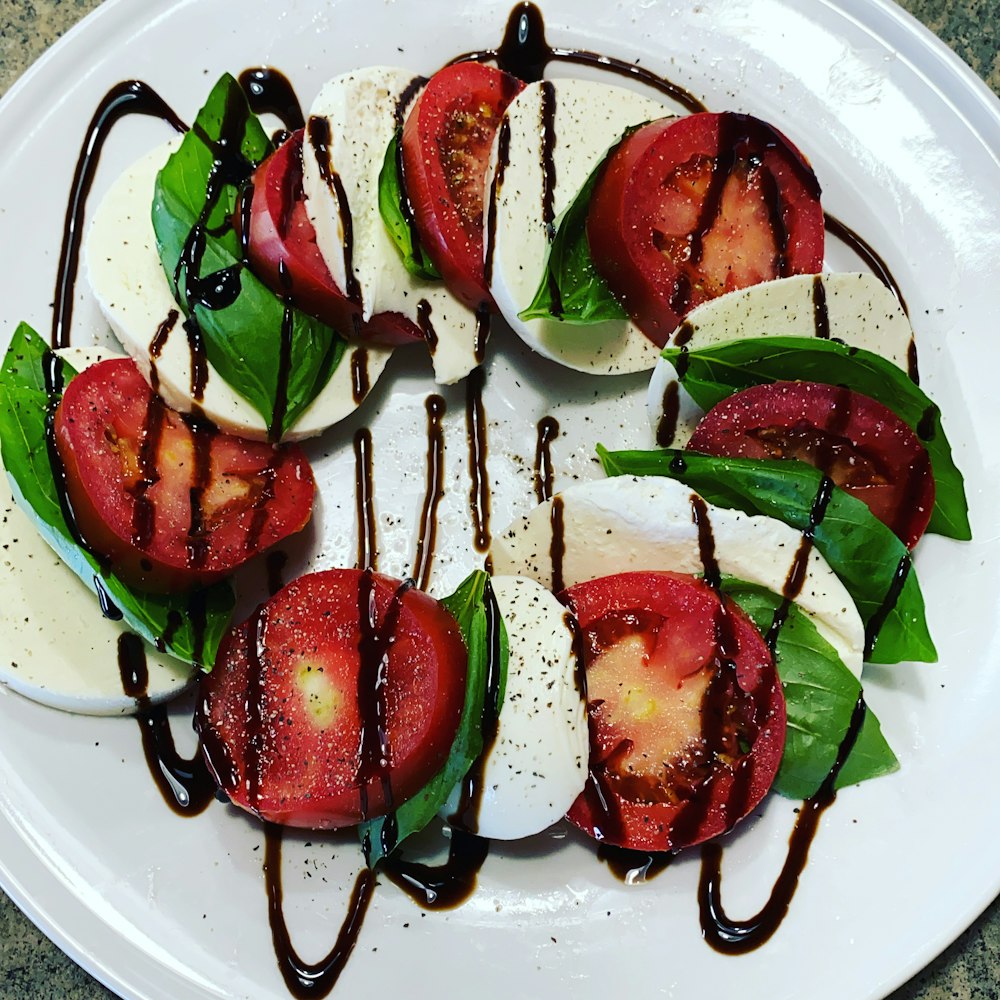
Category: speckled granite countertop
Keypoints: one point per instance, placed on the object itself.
(31, 968)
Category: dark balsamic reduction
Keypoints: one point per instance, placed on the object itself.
(670, 405)
(503, 158)
(441, 887)
(821, 317)
(376, 638)
(548, 431)
(549, 186)
(360, 380)
(131, 97)
(269, 91)
(633, 867)
(736, 937)
(157, 344)
(433, 491)
(475, 429)
(318, 133)
(557, 544)
(304, 979)
(275, 561)
(426, 325)
(364, 500)
(869, 255)
(525, 53)
(186, 785)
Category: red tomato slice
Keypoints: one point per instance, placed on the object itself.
(687, 715)
(689, 208)
(859, 443)
(446, 148)
(282, 251)
(290, 717)
(169, 503)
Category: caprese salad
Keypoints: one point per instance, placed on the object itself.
(649, 654)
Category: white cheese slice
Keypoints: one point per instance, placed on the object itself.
(623, 524)
(57, 647)
(855, 308)
(537, 766)
(585, 118)
(130, 286)
(362, 111)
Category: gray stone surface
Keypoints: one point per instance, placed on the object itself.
(31, 968)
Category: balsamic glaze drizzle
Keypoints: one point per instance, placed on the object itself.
(364, 500)
(433, 492)
(739, 936)
(548, 431)
(186, 785)
(475, 427)
(269, 91)
(525, 53)
(304, 979)
(131, 97)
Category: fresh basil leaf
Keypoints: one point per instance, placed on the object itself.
(397, 215)
(247, 329)
(468, 605)
(571, 290)
(712, 373)
(820, 695)
(186, 626)
(860, 549)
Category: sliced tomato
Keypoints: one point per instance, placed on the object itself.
(281, 247)
(859, 443)
(169, 503)
(689, 208)
(687, 716)
(292, 714)
(445, 151)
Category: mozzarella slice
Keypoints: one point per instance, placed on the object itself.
(538, 763)
(583, 119)
(130, 286)
(351, 124)
(623, 524)
(855, 308)
(46, 604)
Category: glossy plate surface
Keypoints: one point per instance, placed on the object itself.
(902, 138)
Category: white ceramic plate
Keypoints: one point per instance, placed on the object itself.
(901, 137)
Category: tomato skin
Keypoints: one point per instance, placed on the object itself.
(665, 243)
(282, 251)
(137, 512)
(468, 99)
(861, 444)
(669, 672)
(283, 700)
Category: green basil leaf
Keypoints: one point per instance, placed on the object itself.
(820, 695)
(468, 605)
(860, 549)
(397, 215)
(571, 290)
(248, 331)
(712, 373)
(186, 626)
